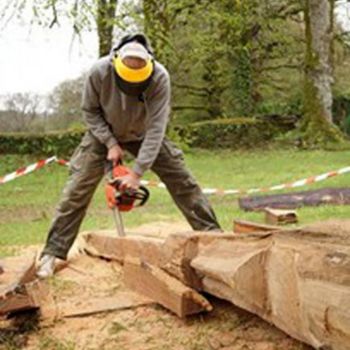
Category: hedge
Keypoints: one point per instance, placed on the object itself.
(221, 133)
(233, 133)
(51, 143)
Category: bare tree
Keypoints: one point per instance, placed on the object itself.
(20, 110)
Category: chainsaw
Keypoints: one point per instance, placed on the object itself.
(122, 200)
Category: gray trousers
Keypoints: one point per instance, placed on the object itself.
(87, 166)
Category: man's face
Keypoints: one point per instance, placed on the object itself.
(134, 62)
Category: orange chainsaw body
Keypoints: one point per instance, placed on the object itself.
(123, 200)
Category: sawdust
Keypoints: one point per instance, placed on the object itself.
(149, 327)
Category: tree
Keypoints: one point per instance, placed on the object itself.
(317, 126)
(105, 20)
(64, 104)
(20, 111)
(83, 15)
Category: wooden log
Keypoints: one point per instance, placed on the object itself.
(164, 289)
(116, 248)
(242, 226)
(280, 216)
(298, 280)
(334, 196)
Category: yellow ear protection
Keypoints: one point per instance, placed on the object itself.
(132, 75)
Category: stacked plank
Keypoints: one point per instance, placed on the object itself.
(298, 280)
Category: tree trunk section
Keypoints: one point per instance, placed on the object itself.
(105, 24)
(157, 28)
(318, 123)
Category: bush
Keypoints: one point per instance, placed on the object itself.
(230, 133)
(51, 143)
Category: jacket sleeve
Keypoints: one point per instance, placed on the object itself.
(157, 109)
(93, 113)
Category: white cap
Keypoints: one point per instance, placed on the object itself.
(134, 49)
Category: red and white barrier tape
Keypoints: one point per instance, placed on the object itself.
(26, 170)
(299, 183)
(307, 181)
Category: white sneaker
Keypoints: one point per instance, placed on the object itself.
(46, 266)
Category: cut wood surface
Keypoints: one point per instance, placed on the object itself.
(116, 248)
(338, 196)
(280, 216)
(242, 226)
(166, 290)
(294, 279)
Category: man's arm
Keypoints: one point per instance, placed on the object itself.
(157, 109)
(93, 113)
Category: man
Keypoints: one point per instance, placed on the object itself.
(126, 104)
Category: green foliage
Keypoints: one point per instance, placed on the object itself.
(223, 133)
(232, 133)
(52, 143)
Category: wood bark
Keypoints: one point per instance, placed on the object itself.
(105, 20)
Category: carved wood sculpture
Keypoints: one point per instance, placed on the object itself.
(297, 279)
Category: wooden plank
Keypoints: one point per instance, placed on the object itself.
(324, 196)
(164, 289)
(121, 301)
(242, 226)
(280, 216)
(16, 301)
(32, 295)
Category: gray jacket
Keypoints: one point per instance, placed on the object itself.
(114, 117)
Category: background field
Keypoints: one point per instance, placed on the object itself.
(27, 204)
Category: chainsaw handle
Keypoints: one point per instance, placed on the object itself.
(145, 195)
(109, 165)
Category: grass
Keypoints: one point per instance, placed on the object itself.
(27, 204)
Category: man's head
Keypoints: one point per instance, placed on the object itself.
(134, 67)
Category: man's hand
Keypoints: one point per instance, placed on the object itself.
(115, 154)
(130, 181)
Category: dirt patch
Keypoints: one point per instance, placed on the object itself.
(23, 213)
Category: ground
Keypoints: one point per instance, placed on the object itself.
(26, 209)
